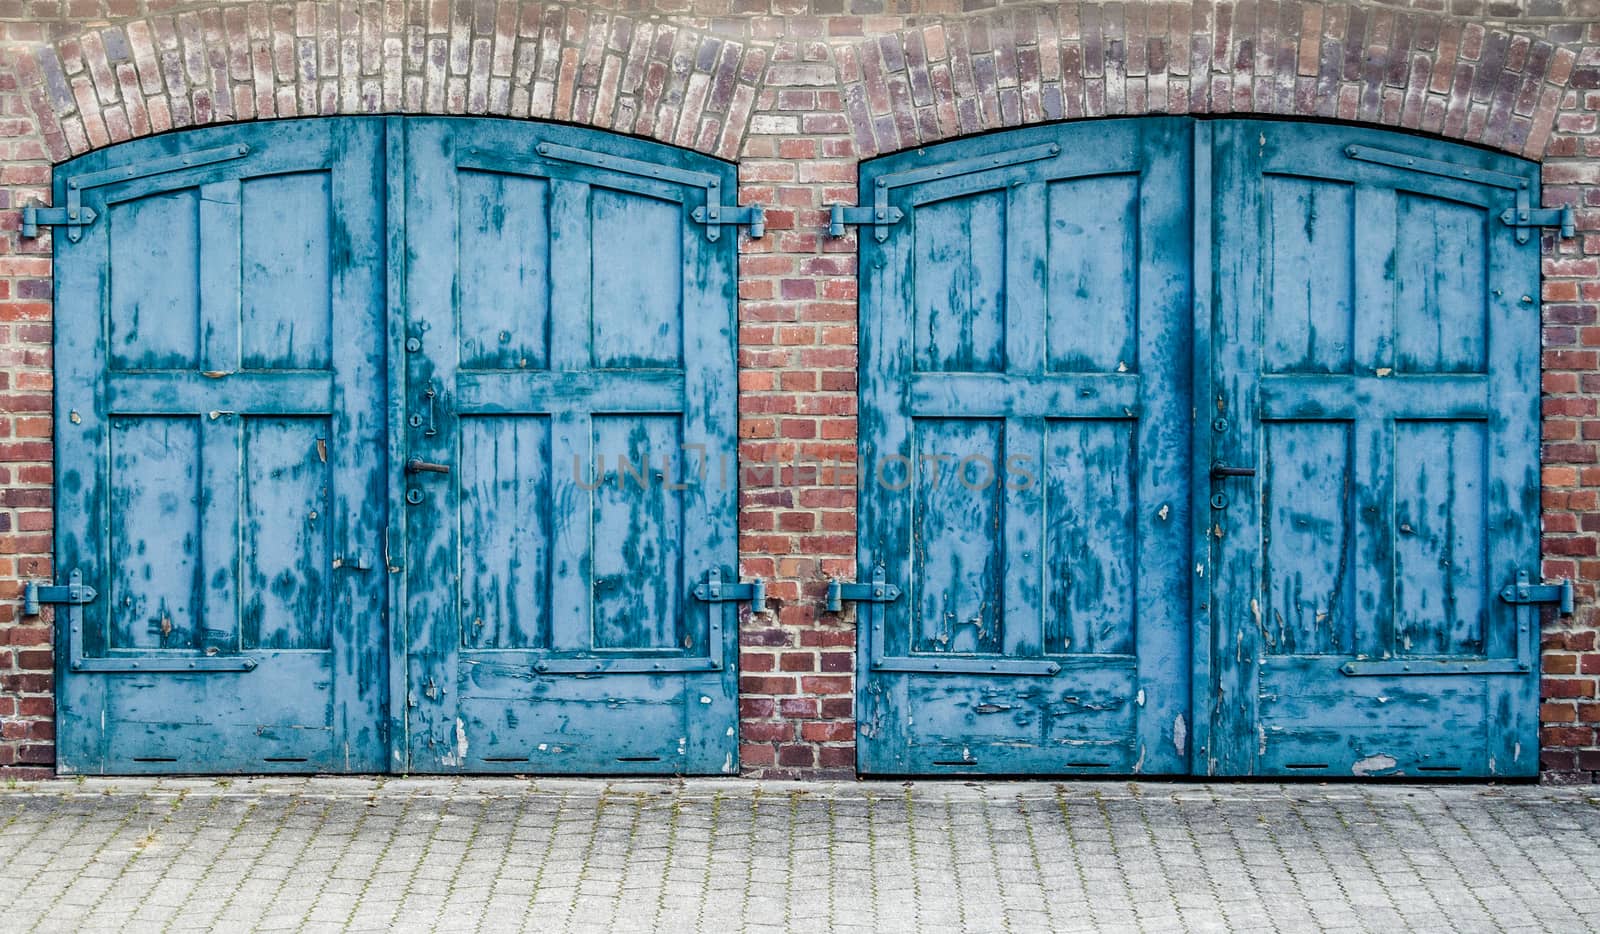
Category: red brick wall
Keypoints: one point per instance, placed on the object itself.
(798, 91)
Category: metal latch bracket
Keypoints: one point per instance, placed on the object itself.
(878, 590)
(715, 590)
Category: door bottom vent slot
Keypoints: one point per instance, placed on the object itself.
(638, 758)
(956, 762)
(1306, 765)
(155, 758)
(505, 758)
(283, 759)
(1088, 765)
(1438, 768)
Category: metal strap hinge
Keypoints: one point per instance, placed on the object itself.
(1563, 218)
(36, 216)
(75, 593)
(878, 590)
(867, 215)
(882, 216)
(715, 590)
(1524, 591)
(1522, 217)
(75, 216)
(714, 214)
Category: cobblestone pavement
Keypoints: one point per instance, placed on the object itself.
(339, 854)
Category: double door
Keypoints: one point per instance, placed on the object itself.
(383, 445)
(1199, 447)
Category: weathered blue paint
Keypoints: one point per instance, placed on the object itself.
(1025, 432)
(220, 449)
(1376, 356)
(576, 327)
(249, 354)
(1340, 327)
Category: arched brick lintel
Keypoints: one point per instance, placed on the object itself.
(1420, 71)
(637, 75)
(661, 78)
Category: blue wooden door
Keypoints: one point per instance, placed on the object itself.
(220, 445)
(570, 363)
(1025, 430)
(1376, 362)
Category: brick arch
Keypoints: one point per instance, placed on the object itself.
(568, 62)
(1413, 70)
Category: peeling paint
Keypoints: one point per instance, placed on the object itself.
(1374, 763)
(461, 740)
(1180, 733)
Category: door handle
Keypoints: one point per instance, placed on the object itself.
(1220, 471)
(418, 465)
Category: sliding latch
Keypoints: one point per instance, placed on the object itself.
(75, 593)
(878, 590)
(715, 590)
(1524, 591)
(1523, 217)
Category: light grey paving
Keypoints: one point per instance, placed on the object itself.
(337, 854)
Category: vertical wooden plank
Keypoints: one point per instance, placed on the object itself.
(432, 545)
(220, 275)
(1164, 446)
(222, 534)
(1022, 608)
(1512, 503)
(1375, 247)
(887, 313)
(387, 545)
(572, 448)
(82, 328)
(710, 498)
(1235, 526)
(1200, 566)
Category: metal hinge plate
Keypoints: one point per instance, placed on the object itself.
(1563, 218)
(1525, 591)
(75, 593)
(713, 215)
(715, 590)
(878, 590)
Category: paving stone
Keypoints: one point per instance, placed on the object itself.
(572, 855)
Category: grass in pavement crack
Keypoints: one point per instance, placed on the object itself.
(544, 860)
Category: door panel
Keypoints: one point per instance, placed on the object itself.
(1391, 405)
(1024, 423)
(220, 453)
(573, 369)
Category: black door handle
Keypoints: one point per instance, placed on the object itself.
(418, 465)
(1219, 471)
